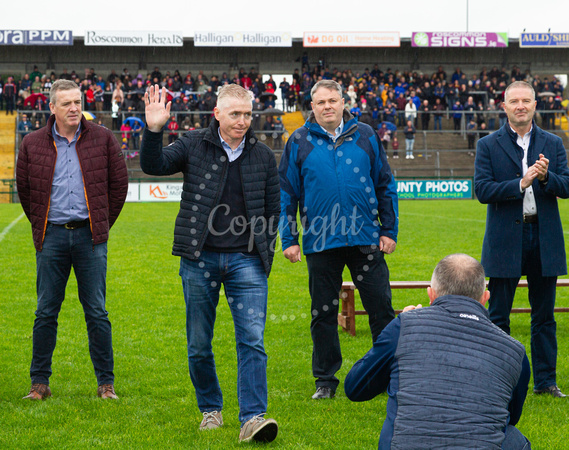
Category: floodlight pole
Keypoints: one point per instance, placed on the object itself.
(467, 16)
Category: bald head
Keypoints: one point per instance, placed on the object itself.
(459, 274)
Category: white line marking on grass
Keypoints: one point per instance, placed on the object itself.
(9, 227)
(443, 217)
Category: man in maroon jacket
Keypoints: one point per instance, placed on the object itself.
(72, 183)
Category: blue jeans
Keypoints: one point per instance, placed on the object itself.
(515, 440)
(63, 249)
(438, 122)
(245, 284)
(541, 292)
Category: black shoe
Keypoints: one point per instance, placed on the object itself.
(323, 392)
(552, 390)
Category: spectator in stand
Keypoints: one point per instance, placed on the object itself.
(425, 114)
(177, 107)
(471, 128)
(115, 108)
(9, 93)
(389, 112)
(482, 131)
(24, 126)
(438, 112)
(268, 127)
(257, 108)
(395, 147)
(457, 114)
(173, 127)
(37, 85)
(440, 92)
(125, 133)
(548, 116)
(118, 94)
(246, 81)
(410, 111)
(293, 96)
(356, 111)
(99, 97)
(187, 124)
(491, 108)
(37, 125)
(401, 103)
(136, 128)
(457, 75)
(409, 132)
(352, 95)
(90, 98)
(284, 87)
(384, 134)
(270, 85)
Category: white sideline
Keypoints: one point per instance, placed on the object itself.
(9, 227)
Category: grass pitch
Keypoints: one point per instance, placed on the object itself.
(157, 406)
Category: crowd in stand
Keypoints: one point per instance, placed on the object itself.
(374, 96)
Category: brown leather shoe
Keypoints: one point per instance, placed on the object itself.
(106, 391)
(551, 390)
(39, 391)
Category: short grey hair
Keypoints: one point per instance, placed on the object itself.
(61, 85)
(233, 91)
(328, 84)
(459, 274)
(519, 84)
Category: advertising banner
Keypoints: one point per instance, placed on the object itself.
(243, 39)
(434, 189)
(544, 40)
(135, 38)
(132, 194)
(352, 39)
(36, 37)
(459, 39)
(160, 192)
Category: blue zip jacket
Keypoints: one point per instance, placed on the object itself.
(344, 189)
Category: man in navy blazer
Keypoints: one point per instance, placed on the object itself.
(520, 170)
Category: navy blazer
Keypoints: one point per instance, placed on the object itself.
(498, 170)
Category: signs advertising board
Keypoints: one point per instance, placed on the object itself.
(243, 39)
(459, 39)
(134, 38)
(548, 40)
(36, 37)
(434, 189)
(352, 39)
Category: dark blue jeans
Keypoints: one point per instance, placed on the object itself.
(515, 440)
(245, 282)
(542, 301)
(63, 249)
(370, 274)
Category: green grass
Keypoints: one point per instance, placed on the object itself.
(157, 406)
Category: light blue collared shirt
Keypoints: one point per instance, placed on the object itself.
(67, 203)
(337, 131)
(232, 154)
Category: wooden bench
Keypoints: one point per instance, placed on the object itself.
(347, 316)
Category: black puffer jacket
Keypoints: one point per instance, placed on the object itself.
(199, 155)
